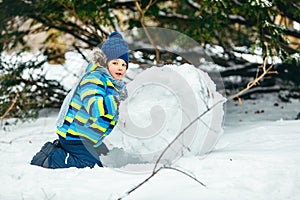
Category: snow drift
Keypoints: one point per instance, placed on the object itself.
(162, 102)
(257, 157)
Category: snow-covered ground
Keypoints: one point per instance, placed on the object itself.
(258, 157)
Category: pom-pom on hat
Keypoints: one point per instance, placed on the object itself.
(115, 47)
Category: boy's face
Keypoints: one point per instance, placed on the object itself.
(117, 68)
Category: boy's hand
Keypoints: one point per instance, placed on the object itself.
(102, 149)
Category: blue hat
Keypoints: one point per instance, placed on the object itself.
(115, 47)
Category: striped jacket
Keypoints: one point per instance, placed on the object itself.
(93, 109)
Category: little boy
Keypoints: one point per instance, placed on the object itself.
(90, 111)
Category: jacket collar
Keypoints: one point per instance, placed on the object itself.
(119, 84)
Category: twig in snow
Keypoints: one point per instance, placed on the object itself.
(266, 71)
(183, 130)
(185, 173)
(156, 170)
(154, 173)
(46, 196)
(139, 185)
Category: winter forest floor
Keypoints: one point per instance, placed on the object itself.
(257, 157)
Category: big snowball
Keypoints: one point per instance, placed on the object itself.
(162, 104)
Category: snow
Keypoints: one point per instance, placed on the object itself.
(69, 73)
(257, 157)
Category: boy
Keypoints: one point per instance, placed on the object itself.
(90, 111)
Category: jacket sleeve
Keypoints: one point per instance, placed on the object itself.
(95, 100)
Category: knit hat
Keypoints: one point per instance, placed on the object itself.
(115, 47)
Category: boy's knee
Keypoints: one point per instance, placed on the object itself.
(41, 157)
(57, 159)
(53, 156)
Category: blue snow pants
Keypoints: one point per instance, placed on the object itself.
(67, 153)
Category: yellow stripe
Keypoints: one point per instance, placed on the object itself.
(82, 135)
(69, 119)
(98, 127)
(92, 80)
(61, 133)
(81, 119)
(109, 83)
(90, 102)
(93, 119)
(109, 116)
(100, 106)
(94, 66)
(115, 104)
(75, 105)
(113, 123)
(89, 92)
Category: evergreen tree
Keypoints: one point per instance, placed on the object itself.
(57, 26)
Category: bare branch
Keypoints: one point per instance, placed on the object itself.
(183, 130)
(142, 20)
(255, 82)
(154, 173)
(139, 185)
(251, 84)
(185, 173)
(10, 107)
